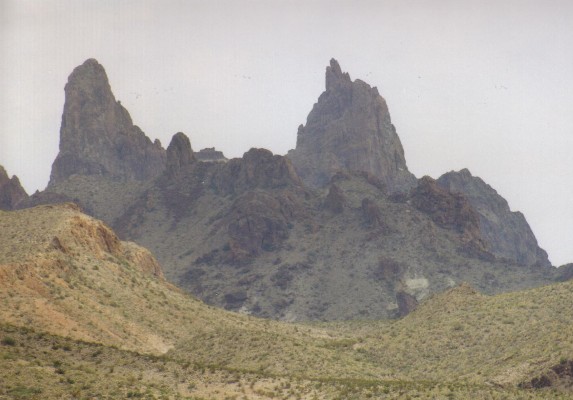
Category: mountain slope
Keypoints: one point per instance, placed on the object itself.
(272, 248)
(67, 274)
(463, 335)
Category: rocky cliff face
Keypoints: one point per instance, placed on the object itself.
(451, 211)
(349, 128)
(179, 154)
(97, 135)
(507, 234)
(11, 192)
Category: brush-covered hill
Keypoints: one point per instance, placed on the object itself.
(86, 315)
(67, 274)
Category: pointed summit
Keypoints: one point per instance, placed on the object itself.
(349, 128)
(334, 75)
(97, 135)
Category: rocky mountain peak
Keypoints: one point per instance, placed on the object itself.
(335, 76)
(11, 191)
(179, 153)
(507, 233)
(349, 129)
(97, 135)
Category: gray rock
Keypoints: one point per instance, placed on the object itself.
(11, 192)
(179, 154)
(210, 155)
(97, 135)
(507, 234)
(349, 128)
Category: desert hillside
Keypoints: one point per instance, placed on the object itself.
(79, 308)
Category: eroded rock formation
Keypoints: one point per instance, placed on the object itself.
(11, 192)
(97, 135)
(349, 128)
(506, 233)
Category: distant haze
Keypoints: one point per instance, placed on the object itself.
(485, 85)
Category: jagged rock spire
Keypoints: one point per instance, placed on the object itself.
(97, 135)
(11, 192)
(349, 128)
(334, 75)
(179, 153)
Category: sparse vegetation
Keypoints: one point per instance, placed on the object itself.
(119, 331)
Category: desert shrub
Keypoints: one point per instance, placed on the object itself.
(9, 341)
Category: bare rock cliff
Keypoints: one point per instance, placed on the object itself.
(451, 210)
(506, 233)
(97, 135)
(349, 128)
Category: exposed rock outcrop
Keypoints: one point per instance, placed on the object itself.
(406, 303)
(335, 200)
(349, 128)
(97, 135)
(564, 273)
(448, 210)
(11, 192)
(259, 222)
(210, 155)
(179, 154)
(371, 213)
(506, 233)
(451, 211)
(559, 377)
(258, 168)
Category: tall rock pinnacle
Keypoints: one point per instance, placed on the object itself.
(349, 128)
(97, 135)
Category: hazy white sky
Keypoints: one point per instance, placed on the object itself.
(486, 85)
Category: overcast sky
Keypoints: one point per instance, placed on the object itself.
(486, 85)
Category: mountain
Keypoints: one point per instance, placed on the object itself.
(11, 191)
(86, 315)
(337, 229)
(349, 129)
